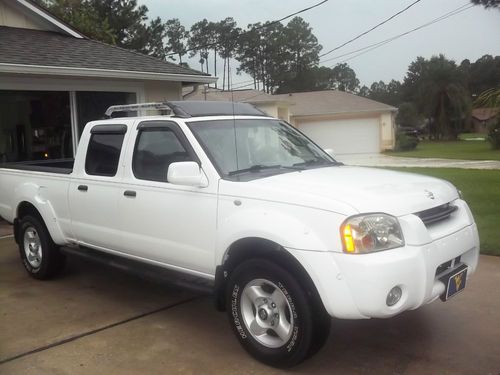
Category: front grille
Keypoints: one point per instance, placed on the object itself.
(436, 214)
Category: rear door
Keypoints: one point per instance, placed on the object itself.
(96, 188)
(168, 223)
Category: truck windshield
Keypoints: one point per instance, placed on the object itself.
(247, 149)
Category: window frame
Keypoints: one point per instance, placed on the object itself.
(161, 125)
(106, 129)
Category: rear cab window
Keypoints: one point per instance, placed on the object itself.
(104, 149)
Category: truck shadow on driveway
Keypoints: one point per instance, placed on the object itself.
(98, 319)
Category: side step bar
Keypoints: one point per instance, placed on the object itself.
(144, 270)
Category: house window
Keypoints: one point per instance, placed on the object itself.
(34, 125)
(91, 105)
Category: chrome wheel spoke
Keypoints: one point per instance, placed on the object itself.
(283, 329)
(256, 329)
(255, 292)
(32, 247)
(279, 299)
(266, 314)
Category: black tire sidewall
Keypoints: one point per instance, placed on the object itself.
(47, 247)
(297, 347)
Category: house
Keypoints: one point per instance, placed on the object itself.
(53, 80)
(483, 118)
(270, 104)
(343, 122)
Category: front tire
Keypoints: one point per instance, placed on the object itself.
(40, 255)
(272, 315)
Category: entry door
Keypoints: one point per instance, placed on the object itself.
(93, 196)
(167, 223)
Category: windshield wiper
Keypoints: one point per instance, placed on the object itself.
(260, 167)
(317, 162)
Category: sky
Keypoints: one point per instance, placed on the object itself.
(467, 35)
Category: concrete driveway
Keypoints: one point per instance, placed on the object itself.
(382, 160)
(99, 320)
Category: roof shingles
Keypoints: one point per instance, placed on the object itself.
(46, 48)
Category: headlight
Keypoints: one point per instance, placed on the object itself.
(369, 233)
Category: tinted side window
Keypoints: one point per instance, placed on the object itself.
(103, 154)
(155, 150)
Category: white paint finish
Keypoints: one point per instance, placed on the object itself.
(344, 136)
(190, 229)
(181, 220)
(95, 212)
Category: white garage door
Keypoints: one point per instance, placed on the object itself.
(354, 136)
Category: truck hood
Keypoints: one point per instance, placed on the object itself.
(348, 190)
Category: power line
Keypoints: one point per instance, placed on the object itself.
(373, 46)
(196, 48)
(371, 29)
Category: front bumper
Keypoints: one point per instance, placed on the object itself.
(356, 286)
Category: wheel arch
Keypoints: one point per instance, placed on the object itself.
(256, 247)
(26, 208)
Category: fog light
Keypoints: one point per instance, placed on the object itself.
(394, 296)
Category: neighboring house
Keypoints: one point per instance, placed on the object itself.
(483, 118)
(53, 80)
(343, 122)
(270, 104)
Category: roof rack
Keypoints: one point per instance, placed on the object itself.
(193, 108)
(159, 106)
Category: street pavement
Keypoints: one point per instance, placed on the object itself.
(382, 160)
(94, 319)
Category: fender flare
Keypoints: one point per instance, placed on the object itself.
(33, 194)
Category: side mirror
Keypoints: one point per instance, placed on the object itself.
(330, 152)
(186, 173)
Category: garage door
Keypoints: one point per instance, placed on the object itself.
(354, 136)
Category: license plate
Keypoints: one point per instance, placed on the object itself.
(454, 281)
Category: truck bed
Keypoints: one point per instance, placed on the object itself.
(61, 166)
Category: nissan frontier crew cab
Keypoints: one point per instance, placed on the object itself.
(286, 236)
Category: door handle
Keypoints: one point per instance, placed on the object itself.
(83, 187)
(130, 193)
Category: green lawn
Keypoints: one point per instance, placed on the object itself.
(481, 190)
(467, 150)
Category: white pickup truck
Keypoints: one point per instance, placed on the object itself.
(287, 236)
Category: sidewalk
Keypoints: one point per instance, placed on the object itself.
(381, 160)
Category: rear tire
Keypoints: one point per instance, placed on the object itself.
(273, 316)
(40, 255)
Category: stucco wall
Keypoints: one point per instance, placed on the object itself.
(158, 91)
(14, 18)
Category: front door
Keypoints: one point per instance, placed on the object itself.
(167, 223)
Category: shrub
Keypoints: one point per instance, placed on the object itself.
(494, 134)
(405, 142)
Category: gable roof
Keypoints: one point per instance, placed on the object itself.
(44, 18)
(245, 96)
(331, 102)
(46, 52)
(312, 103)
